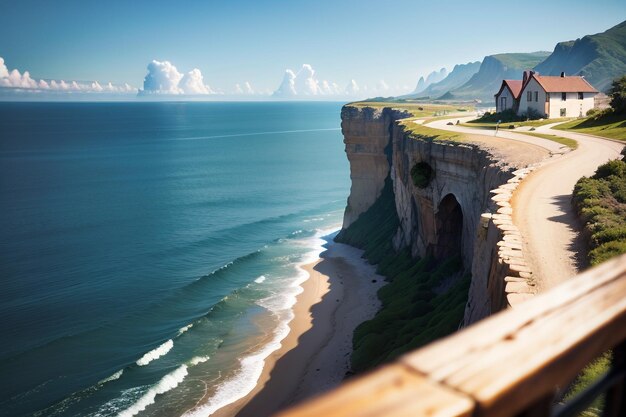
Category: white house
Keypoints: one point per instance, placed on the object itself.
(548, 96)
(508, 96)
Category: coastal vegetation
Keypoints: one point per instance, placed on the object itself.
(421, 174)
(415, 108)
(570, 143)
(416, 129)
(423, 301)
(601, 204)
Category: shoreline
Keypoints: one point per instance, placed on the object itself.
(338, 295)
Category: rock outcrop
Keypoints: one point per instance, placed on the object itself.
(455, 210)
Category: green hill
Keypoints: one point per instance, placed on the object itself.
(600, 57)
(494, 68)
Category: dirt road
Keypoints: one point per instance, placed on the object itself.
(542, 204)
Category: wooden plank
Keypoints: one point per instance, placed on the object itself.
(393, 391)
(515, 358)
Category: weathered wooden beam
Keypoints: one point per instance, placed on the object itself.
(393, 391)
(515, 358)
(504, 366)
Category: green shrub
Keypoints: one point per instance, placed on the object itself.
(592, 112)
(422, 174)
(505, 116)
(615, 167)
(414, 311)
(601, 204)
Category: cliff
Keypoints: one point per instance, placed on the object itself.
(443, 195)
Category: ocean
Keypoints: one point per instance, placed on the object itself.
(150, 252)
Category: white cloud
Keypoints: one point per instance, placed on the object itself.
(246, 89)
(164, 78)
(382, 86)
(193, 83)
(305, 83)
(15, 80)
(352, 88)
(287, 87)
(4, 71)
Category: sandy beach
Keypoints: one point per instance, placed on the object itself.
(339, 295)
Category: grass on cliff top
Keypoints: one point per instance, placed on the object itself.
(531, 123)
(416, 109)
(570, 143)
(419, 131)
(609, 126)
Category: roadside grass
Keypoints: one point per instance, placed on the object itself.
(588, 376)
(419, 131)
(570, 143)
(600, 201)
(505, 125)
(609, 126)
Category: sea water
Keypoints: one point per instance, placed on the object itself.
(150, 253)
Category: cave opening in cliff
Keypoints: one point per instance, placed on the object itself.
(449, 221)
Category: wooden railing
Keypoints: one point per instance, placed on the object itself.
(514, 363)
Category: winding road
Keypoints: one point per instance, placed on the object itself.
(542, 208)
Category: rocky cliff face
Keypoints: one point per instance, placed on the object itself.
(367, 133)
(439, 216)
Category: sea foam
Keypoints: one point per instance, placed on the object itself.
(113, 377)
(156, 353)
(260, 279)
(167, 383)
(198, 359)
(251, 367)
(184, 329)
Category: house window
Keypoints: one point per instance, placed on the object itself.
(580, 96)
(502, 103)
(547, 97)
(563, 96)
(529, 96)
(536, 95)
(563, 112)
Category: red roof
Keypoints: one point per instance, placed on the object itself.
(567, 84)
(514, 85)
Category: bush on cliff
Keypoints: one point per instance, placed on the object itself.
(601, 204)
(421, 173)
(415, 308)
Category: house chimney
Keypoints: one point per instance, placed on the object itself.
(562, 74)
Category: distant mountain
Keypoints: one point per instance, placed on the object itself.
(600, 57)
(459, 76)
(494, 68)
(433, 77)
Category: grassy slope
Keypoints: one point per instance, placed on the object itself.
(570, 143)
(601, 204)
(413, 313)
(419, 131)
(532, 123)
(612, 126)
(494, 68)
(600, 57)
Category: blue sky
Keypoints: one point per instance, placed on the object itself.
(233, 41)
